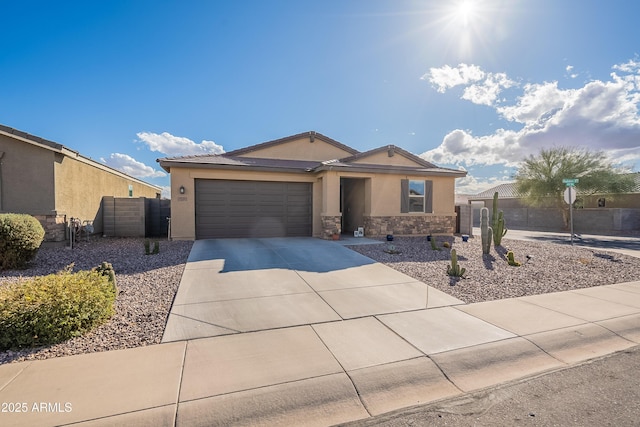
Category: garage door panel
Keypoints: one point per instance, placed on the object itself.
(252, 209)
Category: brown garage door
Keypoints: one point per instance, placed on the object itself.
(252, 209)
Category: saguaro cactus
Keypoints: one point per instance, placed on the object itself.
(486, 232)
(497, 222)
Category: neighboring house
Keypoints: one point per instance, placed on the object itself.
(54, 183)
(509, 198)
(309, 185)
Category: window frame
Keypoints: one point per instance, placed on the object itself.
(405, 196)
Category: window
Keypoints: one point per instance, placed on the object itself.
(416, 196)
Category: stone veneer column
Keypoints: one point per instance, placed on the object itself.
(54, 227)
(331, 224)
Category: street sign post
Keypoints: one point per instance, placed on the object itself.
(570, 182)
(570, 197)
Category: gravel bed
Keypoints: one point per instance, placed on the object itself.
(147, 285)
(546, 267)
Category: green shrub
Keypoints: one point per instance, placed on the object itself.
(147, 248)
(20, 238)
(50, 309)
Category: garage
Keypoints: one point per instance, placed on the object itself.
(227, 208)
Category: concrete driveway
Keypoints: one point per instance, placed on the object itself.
(231, 286)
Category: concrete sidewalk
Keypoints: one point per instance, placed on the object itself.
(339, 369)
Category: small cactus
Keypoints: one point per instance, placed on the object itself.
(106, 269)
(446, 245)
(454, 270)
(486, 232)
(434, 245)
(497, 222)
(511, 259)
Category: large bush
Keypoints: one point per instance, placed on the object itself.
(20, 238)
(54, 308)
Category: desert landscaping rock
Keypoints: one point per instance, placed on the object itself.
(147, 285)
(546, 267)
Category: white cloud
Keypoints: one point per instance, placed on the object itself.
(177, 145)
(131, 166)
(569, 73)
(481, 87)
(486, 92)
(447, 77)
(601, 115)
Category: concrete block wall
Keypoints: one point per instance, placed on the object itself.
(123, 217)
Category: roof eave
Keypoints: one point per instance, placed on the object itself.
(393, 170)
(167, 165)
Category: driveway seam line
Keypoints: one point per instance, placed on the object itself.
(208, 323)
(184, 359)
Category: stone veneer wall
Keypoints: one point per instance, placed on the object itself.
(409, 224)
(55, 227)
(331, 225)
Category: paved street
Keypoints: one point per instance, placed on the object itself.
(603, 392)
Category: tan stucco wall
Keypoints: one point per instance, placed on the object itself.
(385, 193)
(383, 158)
(26, 174)
(80, 186)
(301, 149)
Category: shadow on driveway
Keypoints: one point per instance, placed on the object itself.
(292, 253)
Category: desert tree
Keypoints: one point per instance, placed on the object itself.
(539, 178)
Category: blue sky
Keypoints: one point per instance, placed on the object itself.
(477, 85)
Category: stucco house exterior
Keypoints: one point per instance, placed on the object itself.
(309, 185)
(54, 183)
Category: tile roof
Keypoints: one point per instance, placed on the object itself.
(505, 191)
(32, 138)
(235, 159)
(509, 191)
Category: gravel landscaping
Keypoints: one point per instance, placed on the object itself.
(546, 267)
(147, 285)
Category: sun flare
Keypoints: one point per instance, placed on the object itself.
(464, 11)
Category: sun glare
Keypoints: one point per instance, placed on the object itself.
(464, 11)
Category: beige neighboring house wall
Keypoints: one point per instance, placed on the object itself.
(349, 189)
(54, 183)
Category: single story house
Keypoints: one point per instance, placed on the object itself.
(309, 185)
(54, 183)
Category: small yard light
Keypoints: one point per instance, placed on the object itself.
(182, 190)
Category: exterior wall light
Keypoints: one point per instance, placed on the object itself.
(182, 190)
